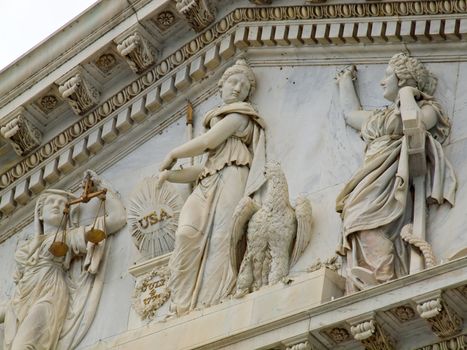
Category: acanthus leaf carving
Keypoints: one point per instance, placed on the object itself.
(198, 13)
(372, 335)
(21, 134)
(138, 52)
(443, 319)
(80, 93)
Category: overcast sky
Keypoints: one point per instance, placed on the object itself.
(25, 23)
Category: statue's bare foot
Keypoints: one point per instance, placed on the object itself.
(240, 293)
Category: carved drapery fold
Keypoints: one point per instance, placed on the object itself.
(21, 134)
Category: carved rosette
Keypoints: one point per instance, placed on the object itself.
(151, 293)
(153, 217)
(372, 336)
(137, 51)
(444, 320)
(198, 13)
(106, 62)
(403, 313)
(21, 135)
(48, 103)
(338, 335)
(165, 19)
(79, 93)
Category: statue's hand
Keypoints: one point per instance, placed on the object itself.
(163, 176)
(91, 174)
(409, 91)
(168, 162)
(349, 71)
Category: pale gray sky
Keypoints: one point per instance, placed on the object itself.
(25, 23)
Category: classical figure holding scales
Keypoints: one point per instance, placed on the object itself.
(52, 309)
(381, 198)
(201, 273)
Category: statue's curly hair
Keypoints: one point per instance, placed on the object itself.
(241, 66)
(407, 68)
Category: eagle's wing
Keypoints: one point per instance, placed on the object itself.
(303, 213)
(242, 214)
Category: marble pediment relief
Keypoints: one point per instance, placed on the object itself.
(173, 74)
(295, 115)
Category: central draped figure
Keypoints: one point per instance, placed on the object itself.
(201, 272)
(376, 203)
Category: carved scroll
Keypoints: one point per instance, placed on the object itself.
(21, 135)
(198, 13)
(372, 336)
(444, 320)
(300, 346)
(79, 93)
(137, 51)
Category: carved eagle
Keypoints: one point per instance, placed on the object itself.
(276, 233)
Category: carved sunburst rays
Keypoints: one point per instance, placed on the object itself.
(153, 217)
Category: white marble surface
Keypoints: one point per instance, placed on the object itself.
(446, 225)
(307, 134)
(459, 107)
(233, 316)
(7, 259)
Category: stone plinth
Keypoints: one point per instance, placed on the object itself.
(268, 308)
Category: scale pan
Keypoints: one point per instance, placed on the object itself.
(95, 235)
(58, 249)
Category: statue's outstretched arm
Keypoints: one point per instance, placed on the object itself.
(354, 115)
(115, 211)
(116, 215)
(185, 175)
(210, 140)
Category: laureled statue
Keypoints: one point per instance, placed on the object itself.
(200, 268)
(403, 159)
(56, 297)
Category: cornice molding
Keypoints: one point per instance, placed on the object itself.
(241, 29)
(40, 63)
